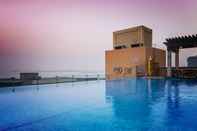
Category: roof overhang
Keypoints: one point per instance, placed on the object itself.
(181, 42)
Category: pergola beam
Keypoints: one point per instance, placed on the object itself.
(182, 41)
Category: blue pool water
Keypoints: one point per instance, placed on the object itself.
(119, 105)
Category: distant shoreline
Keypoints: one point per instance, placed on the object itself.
(51, 80)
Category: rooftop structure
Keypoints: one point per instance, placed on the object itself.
(133, 55)
(139, 36)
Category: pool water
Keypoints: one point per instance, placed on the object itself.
(119, 105)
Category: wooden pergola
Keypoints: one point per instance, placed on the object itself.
(176, 43)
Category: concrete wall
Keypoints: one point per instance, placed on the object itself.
(158, 56)
(158, 60)
(126, 59)
(147, 37)
(132, 62)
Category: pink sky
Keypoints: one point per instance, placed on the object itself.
(73, 34)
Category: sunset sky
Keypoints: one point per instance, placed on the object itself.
(74, 34)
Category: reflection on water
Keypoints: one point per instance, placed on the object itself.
(150, 103)
(119, 105)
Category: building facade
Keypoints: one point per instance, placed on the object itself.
(133, 54)
(29, 76)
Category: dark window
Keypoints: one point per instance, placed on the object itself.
(118, 70)
(135, 45)
(120, 47)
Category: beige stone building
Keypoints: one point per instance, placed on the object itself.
(139, 36)
(133, 54)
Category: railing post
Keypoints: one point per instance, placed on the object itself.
(72, 78)
(37, 81)
(97, 76)
(87, 77)
(56, 79)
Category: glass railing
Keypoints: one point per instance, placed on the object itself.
(48, 77)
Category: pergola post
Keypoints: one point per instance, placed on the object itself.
(169, 68)
(177, 58)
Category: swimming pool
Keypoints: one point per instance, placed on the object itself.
(119, 105)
